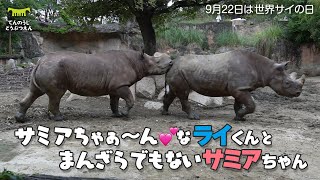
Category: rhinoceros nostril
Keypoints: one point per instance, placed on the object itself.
(298, 93)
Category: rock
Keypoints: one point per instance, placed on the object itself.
(67, 92)
(75, 97)
(32, 44)
(133, 91)
(1, 69)
(230, 97)
(11, 65)
(160, 81)
(218, 100)
(205, 100)
(145, 88)
(20, 69)
(162, 93)
(153, 105)
(30, 64)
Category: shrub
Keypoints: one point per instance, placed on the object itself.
(264, 40)
(305, 28)
(227, 38)
(8, 175)
(176, 37)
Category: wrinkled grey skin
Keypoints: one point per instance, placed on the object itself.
(110, 73)
(234, 73)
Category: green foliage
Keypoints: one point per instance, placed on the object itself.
(84, 12)
(304, 28)
(227, 38)
(267, 39)
(264, 40)
(8, 175)
(176, 37)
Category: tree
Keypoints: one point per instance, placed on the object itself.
(144, 12)
(305, 28)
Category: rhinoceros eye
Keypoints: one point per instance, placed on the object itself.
(286, 83)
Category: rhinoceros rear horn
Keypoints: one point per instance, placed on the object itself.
(302, 79)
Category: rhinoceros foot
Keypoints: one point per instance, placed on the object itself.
(164, 112)
(194, 116)
(118, 114)
(122, 113)
(239, 118)
(58, 117)
(20, 118)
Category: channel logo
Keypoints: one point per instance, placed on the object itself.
(19, 12)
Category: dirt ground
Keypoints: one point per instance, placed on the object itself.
(293, 122)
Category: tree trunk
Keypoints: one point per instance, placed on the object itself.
(149, 37)
(10, 44)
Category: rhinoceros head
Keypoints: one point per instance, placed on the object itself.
(158, 64)
(285, 84)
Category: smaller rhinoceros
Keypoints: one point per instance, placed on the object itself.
(235, 73)
(99, 74)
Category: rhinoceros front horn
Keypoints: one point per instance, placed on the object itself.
(293, 75)
(302, 79)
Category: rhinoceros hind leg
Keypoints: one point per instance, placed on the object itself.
(33, 94)
(114, 104)
(194, 116)
(186, 107)
(167, 100)
(54, 104)
(125, 93)
(243, 97)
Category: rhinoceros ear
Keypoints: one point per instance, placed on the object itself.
(283, 66)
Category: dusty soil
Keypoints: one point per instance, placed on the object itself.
(293, 122)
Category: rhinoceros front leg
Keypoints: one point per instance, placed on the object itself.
(167, 100)
(125, 93)
(243, 98)
(236, 106)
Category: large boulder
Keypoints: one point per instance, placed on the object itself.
(162, 93)
(146, 88)
(160, 81)
(205, 100)
(31, 44)
(153, 105)
(10, 65)
(73, 97)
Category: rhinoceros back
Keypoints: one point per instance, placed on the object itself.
(219, 74)
(86, 74)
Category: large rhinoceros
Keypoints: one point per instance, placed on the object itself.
(235, 73)
(100, 74)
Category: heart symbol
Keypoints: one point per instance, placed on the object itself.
(165, 138)
(174, 130)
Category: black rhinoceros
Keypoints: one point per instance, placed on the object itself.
(235, 73)
(99, 74)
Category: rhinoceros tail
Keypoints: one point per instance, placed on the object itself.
(33, 79)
